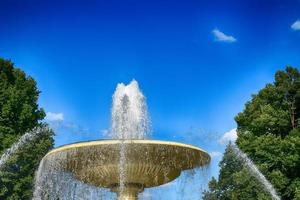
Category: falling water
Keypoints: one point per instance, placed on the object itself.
(129, 119)
(255, 172)
(52, 183)
(27, 137)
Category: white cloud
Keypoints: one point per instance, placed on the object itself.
(296, 25)
(229, 136)
(222, 37)
(215, 154)
(54, 116)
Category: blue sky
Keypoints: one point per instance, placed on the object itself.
(197, 62)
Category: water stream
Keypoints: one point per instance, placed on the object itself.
(27, 137)
(255, 172)
(129, 120)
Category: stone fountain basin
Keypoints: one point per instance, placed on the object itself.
(148, 163)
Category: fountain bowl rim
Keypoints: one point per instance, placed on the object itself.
(124, 141)
(148, 182)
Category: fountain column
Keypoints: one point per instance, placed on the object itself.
(128, 192)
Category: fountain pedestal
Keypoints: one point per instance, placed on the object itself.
(129, 192)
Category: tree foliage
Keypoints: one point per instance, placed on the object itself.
(269, 133)
(235, 181)
(19, 113)
(276, 108)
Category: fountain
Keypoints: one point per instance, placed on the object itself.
(127, 164)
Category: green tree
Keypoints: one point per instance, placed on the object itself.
(235, 182)
(19, 113)
(275, 109)
(269, 133)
